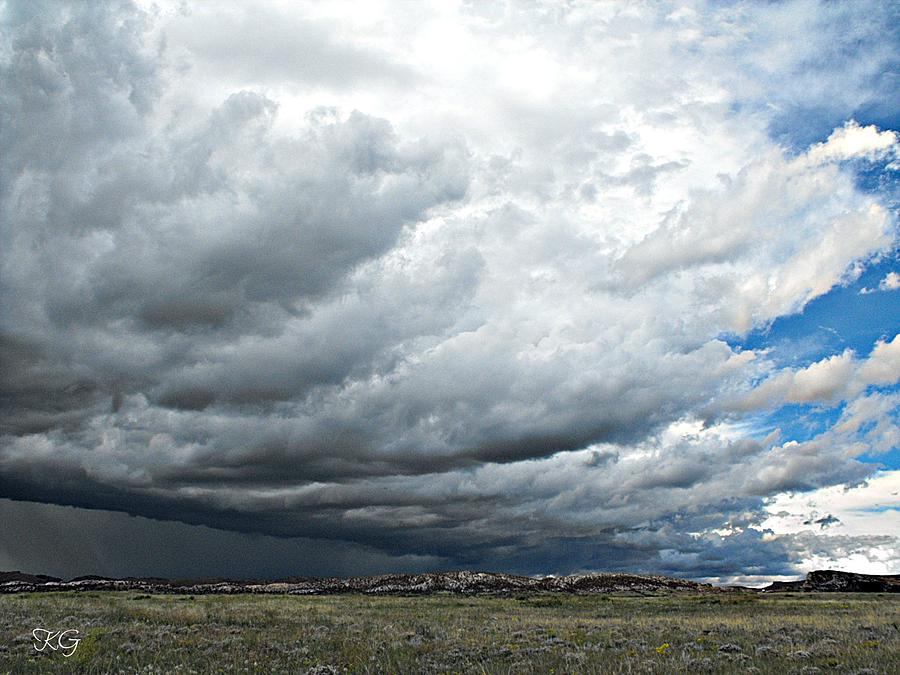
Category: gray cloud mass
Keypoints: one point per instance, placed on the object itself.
(483, 334)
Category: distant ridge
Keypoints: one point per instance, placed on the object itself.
(459, 583)
(22, 577)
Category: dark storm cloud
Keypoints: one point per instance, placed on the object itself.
(824, 522)
(118, 545)
(145, 250)
(464, 516)
(399, 344)
(101, 542)
(301, 214)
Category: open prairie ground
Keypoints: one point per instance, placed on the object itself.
(552, 633)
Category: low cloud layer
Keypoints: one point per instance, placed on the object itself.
(459, 288)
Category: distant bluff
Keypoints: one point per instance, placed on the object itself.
(824, 581)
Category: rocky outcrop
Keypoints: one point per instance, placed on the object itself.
(823, 581)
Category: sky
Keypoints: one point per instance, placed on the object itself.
(332, 288)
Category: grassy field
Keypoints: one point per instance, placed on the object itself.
(125, 632)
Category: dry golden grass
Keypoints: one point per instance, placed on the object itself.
(730, 633)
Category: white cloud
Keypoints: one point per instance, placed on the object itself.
(891, 282)
(853, 141)
(861, 530)
(882, 367)
(866, 509)
(836, 378)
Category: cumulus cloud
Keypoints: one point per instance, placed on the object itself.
(833, 379)
(853, 141)
(451, 284)
(891, 282)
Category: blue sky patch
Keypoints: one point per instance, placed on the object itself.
(845, 317)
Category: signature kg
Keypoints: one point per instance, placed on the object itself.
(62, 640)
